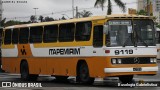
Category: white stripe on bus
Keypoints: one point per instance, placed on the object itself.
(10, 52)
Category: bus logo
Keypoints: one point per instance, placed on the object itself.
(23, 51)
(136, 60)
(6, 84)
(67, 51)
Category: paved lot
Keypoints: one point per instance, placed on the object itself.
(51, 84)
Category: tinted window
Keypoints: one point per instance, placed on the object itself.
(66, 32)
(1, 31)
(98, 36)
(7, 38)
(23, 35)
(83, 31)
(36, 34)
(15, 36)
(2, 38)
(50, 33)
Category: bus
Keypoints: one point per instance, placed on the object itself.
(86, 48)
(158, 43)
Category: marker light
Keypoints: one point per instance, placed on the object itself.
(119, 61)
(107, 51)
(151, 60)
(114, 61)
(155, 60)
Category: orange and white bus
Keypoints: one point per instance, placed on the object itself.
(88, 48)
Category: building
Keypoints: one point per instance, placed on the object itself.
(132, 11)
(1, 10)
(152, 5)
(156, 9)
(140, 5)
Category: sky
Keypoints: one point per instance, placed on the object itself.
(56, 8)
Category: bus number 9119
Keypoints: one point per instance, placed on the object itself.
(117, 52)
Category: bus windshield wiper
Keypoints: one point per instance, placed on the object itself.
(139, 38)
(126, 41)
(129, 38)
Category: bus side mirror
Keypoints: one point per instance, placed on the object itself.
(105, 29)
(155, 27)
(156, 32)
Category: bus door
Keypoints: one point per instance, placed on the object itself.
(97, 39)
(1, 31)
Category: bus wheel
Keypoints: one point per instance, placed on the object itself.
(25, 72)
(126, 79)
(84, 74)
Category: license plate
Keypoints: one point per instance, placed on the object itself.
(137, 69)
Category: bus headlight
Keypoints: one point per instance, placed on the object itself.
(119, 61)
(114, 61)
(153, 60)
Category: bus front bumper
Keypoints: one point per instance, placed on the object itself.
(131, 69)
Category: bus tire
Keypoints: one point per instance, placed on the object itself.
(24, 70)
(83, 75)
(126, 79)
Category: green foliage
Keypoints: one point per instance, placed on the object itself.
(12, 22)
(2, 22)
(158, 26)
(48, 19)
(41, 18)
(33, 18)
(84, 13)
(63, 18)
(100, 3)
(142, 12)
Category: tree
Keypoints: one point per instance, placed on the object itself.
(84, 13)
(48, 19)
(109, 11)
(33, 18)
(41, 18)
(13, 22)
(3, 22)
(63, 18)
(158, 26)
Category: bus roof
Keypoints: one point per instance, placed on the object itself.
(122, 16)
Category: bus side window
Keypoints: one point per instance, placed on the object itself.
(2, 37)
(36, 34)
(50, 33)
(66, 32)
(15, 36)
(23, 35)
(98, 36)
(7, 38)
(83, 31)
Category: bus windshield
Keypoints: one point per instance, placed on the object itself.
(130, 33)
